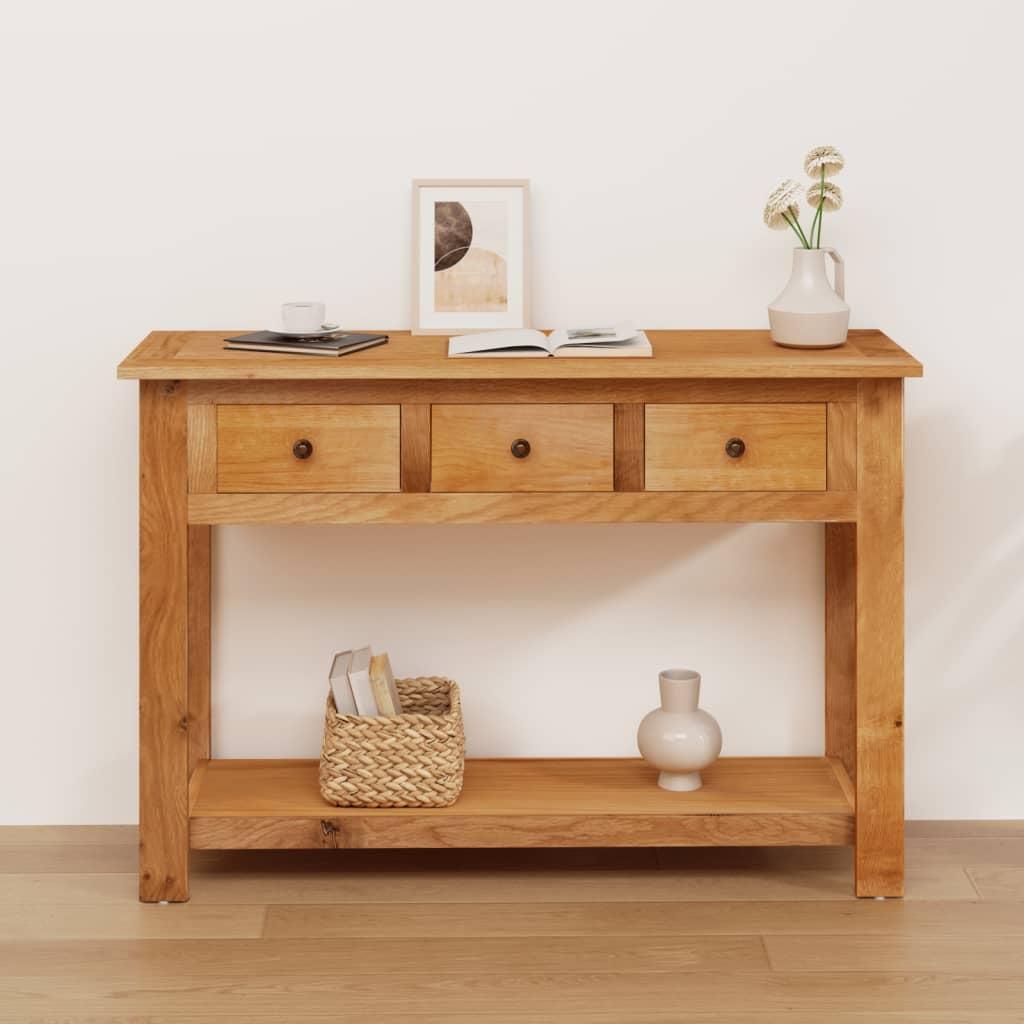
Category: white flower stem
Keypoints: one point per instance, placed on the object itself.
(794, 223)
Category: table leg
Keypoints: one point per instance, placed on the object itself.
(163, 643)
(879, 654)
(841, 644)
(199, 644)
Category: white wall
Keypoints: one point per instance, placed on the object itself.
(192, 164)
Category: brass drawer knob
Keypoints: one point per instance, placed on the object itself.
(302, 449)
(520, 447)
(735, 447)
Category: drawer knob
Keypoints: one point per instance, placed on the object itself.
(302, 449)
(735, 447)
(520, 447)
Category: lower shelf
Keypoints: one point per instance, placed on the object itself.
(745, 801)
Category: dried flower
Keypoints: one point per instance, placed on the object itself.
(826, 193)
(783, 202)
(824, 158)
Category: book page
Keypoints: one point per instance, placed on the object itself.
(493, 341)
(638, 345)
(595, 336)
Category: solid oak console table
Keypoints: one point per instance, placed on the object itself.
(719, 426)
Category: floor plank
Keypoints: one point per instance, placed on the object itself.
(304, 961)
(945, 950)
(680, 878)
(628, 994)
(852, 917)
(970, 851)
(68, 835)
(809, 872)
(511, 937)
(61, 889)
(998, 882)
(299, 1016)
(138, 921)
(98, 858)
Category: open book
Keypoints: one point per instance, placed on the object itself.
(621, 340)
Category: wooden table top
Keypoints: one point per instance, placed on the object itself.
(678, 355)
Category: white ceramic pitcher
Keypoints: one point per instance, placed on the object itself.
(810, 313)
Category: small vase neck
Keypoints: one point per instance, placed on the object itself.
(680, 689)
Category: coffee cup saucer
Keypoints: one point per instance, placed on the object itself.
(326, 330)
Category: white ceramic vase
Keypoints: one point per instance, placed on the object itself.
(810, 313)
(678, 738)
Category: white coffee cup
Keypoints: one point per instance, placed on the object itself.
(303, 316)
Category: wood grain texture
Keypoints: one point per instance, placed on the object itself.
(510, 803)
(850, 445)
(571, 448)
(942, 951)
(1001, 882)
(86, 924)
(960, 828)
(800, 918)
(629, 447)
(200, 642)
(686, 447)
(594, 507)
(774, 828)
(540, 786)
(163, 643)
(415, 447)
(95, 857)
(202, 449)
(171, 990)
(239, 962)
(842, 446)
(440, 876)
(841, 644)
(195, 781)
(683, 355)
(843, 778)
(63, 835)
(879, 698)
(475, 392)
(591, 1017)
(355, 448)
(797, 900)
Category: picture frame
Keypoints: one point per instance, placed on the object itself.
(470, 255)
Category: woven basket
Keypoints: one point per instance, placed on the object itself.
(414, 759)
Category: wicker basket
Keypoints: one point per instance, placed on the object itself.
(415, 759)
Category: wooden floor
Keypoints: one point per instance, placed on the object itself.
(510, 937)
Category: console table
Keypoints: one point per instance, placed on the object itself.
(718, 426)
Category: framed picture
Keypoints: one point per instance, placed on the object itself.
(469, 255)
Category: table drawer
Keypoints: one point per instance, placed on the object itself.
(735, 447)
(557, 448)
(308, 448)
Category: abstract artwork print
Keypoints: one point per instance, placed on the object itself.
(470, 256)
(470, 265)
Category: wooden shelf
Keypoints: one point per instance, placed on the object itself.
(784, 801)
(679, 355)
(567, 507)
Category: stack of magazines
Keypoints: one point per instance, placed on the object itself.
(336, 343)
